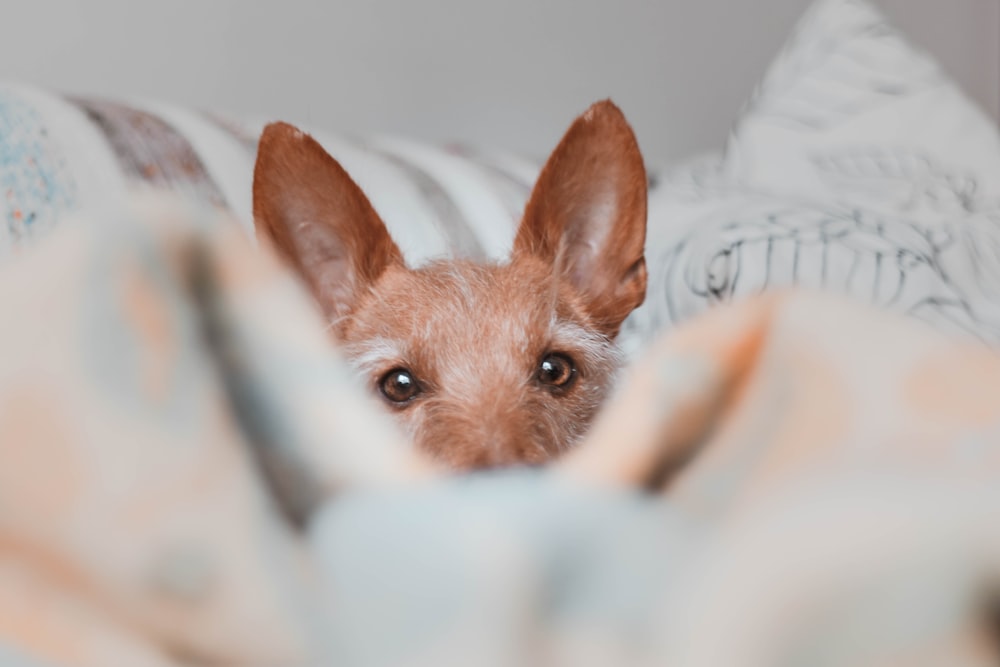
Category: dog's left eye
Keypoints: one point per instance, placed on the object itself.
(556, 370)
(399, 386)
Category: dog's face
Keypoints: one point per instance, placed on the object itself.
(483, 364)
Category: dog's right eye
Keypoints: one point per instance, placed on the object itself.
(399, 386)
(556, 371)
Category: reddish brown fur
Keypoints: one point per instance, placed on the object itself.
(474, 334)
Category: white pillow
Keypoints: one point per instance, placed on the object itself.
(849, 106)
(857, 167)
(61, 154)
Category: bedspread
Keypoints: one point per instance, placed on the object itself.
(189, 475)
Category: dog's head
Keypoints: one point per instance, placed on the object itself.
(483, 364)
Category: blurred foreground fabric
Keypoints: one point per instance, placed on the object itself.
(189, 476)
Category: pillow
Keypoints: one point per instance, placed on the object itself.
(60, 154)
(857, 167)
(850, 107)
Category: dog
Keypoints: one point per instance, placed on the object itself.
(483, 364)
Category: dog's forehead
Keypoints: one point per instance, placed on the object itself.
(460, 299)
(450, 311)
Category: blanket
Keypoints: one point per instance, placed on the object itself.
(189, 475)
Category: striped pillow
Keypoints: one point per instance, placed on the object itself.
(60, 154)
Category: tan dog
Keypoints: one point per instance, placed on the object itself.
(483, 364)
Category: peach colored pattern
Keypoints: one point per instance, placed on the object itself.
(954, 386)
(148, 317)
(50, 472)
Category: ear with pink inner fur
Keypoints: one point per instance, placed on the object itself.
(318, 219)
(587, 214)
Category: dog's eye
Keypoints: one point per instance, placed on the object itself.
(399, 386)
(556, 370)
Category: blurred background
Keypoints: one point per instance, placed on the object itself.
(508, 74)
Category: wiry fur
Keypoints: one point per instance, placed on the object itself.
(473, 335)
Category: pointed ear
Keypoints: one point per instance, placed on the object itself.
(587, 215)
(318, 219)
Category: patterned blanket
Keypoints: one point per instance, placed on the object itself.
(189, 476)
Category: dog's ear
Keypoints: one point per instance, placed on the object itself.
(587, 215)
(318, 219)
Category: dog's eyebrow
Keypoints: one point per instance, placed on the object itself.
(596, 350)
(369, 356)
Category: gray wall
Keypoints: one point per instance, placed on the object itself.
(505, 72)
